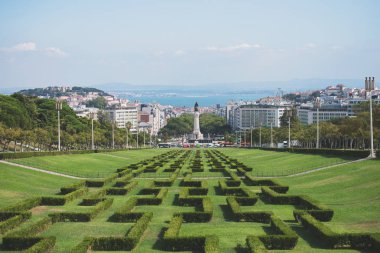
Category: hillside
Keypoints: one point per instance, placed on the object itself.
(53, 92)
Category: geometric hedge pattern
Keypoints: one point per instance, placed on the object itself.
(142, 187)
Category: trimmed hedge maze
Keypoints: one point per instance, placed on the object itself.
(183, 200)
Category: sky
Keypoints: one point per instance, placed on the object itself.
(178, 42)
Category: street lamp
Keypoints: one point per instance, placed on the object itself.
(317, 105)
(271, 135)
(370, 86)
(260, 136)
(290, 113)
(251, 135)
(113, 134)
(58, 106)
(92, 115)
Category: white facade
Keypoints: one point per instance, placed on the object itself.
(308, 116)
(245, 117)
(122, 116)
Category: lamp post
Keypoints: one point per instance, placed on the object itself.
(245, 138)
(317, 105)
(137, 139)
(58, 106)
(113, 134)
(290, 115)
(144, 138)
(240, 138)
(370, 86)
(271, 135)
(251, 135)
(260, 137)
(92, 130)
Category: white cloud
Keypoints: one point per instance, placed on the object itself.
(32, 47)
(243, 46)
(159, 53)
(22, 47)
(179, 52)
(311, 45)
(54, 51)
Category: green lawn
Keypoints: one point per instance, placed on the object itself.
(271, 163)
(18, 183)
(89, 165)
(351, 190)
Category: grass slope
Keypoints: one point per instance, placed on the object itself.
(89, 165)
(353, 191)
(18, 183)
(271, 163)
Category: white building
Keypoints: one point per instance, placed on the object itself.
(122, 116)
(247, 116)
(307, 114)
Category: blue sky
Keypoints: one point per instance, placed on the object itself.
(178, 42)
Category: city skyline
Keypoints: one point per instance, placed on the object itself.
(186, 43)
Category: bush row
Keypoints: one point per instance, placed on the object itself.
(82, 216)
(324, 151)
(30, 244)
(101, 183)
(121, 190)
(208, 243)
(157, 200)
(31, 230)
(319, 211)
(203, 204)
(336, 240)
(287, 238)
(60, 201)
(261, 216)
(26, 238)
(274, 185)
(128, 242)
(23, 205)
(9, 220)
(255, 245)
(166, 182)
(44, 245)
(72, 187)
(4, 156)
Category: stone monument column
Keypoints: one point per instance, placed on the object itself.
(197, 132)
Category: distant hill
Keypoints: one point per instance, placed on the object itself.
(53, 92)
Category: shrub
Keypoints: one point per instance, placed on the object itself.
(53, 201)
(45, 245)
(23, 205)
(33, 229)
(73, 187)
(81, 216)
(211, 244)
(255, 245)
(83, 246)
(9, 220)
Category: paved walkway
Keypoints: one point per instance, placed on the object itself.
(40, 170)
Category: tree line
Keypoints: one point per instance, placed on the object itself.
(30, 124)
(210, 124)
(340, 133)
